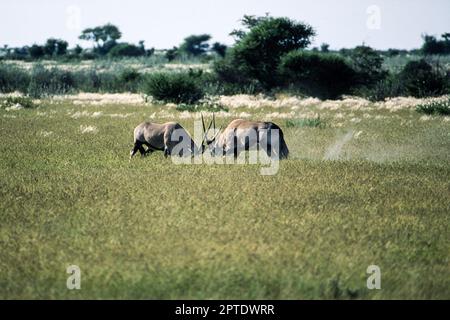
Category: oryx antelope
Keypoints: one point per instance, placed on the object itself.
(163, 137)
(242, 135)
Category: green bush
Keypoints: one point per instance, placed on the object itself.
(200, 107)
(126, 50)
(431, 45)
(389, 87)
(130, 80)
(321, 75)
(419, 79)
(36, 51)
(44, 82)
(368, 65)
(13, 79)
(305, 122)
(232, 78)
(176, 87)
(435, 108)
(24, 102)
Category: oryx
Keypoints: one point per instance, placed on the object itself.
(242, 135)
(163, 137)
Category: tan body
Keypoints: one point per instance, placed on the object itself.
(162, 137)
(242, 135)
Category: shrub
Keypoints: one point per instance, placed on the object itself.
(87, 80)
(200, 107)
(431, 45)
(232, 78)
(36, 51)
(306, 122)
(317, 74)
(219, 48)
(44, 82)
(126, 50)
(435, 107)
(171, 54)
(368, 65)
(389, 87)
(130, 80)
(13, 79)
(176, 87)
(55, 47)
(22, 102)
(418, 79)
(88, 55)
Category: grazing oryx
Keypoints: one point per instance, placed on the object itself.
(242, 135)
(163, 137)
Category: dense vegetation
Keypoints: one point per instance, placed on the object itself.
(270, 55)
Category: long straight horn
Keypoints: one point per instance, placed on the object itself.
(214, 122)
(203, 123)
(210, 124)
(217, 133)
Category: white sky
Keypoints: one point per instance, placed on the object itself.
(164, 23)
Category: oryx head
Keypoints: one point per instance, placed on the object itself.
(211, 143)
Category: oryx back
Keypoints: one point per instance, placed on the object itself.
(164, 137)
(244, 134)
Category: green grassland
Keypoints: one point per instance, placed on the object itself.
(148, 228)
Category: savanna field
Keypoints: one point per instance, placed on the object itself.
(366, 184)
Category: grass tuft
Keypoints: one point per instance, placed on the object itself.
(17, 102)
(435, 108)
(305, 122)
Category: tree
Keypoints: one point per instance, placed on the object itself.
(36, 51)
(105, 37)
(420, 80)
(431, 45)
(126, 50)
(259, 51)
(248, 22)
(19, 53)
(195, 45)
(78, 49)
(55, 47)
(325, 47)
(219, 48)
(61, 47)
(446, 36)
(368, 64)
(171, 54)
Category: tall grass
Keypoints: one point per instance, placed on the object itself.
(305, 122)
(222, 231)
(41, 81)
(13, 78)
(435, 108)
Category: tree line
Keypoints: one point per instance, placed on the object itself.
(270, 54)
(105, 43)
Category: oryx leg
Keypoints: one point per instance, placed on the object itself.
(137, 147)
(167, 144)
(236, 150)
(166, 151)
(265, 142)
